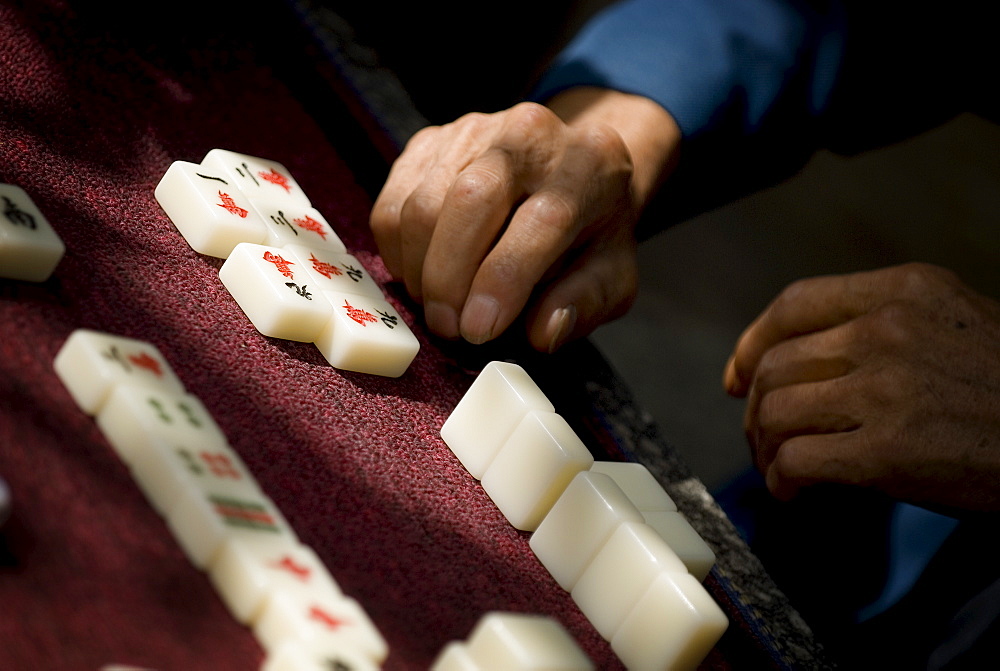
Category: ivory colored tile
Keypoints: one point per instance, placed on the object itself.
(579, 524)
(289, 224)
(336, 272)
(683, 539)
(506, 641)
(245, 573)
(367, 335)
(275, 292)
(135, 419)
(201, 521)
(620, 573)
(208, 209)
(293, 656)
(674, 625)
(455, 657)
(91, 363)
(496, 402)
(638, 484)
(533, 467)
(258, 178)
(163, 469)
(30, 249)
(318, 620)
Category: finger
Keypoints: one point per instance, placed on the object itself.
(804, 307)
(597, 288)
(474, 210)
(406, 173)
(823, 407)
(590, 183)
(802, 461)
(813, 357)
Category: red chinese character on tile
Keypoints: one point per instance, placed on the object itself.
(288, 564)
(220, 465)
(316, 613)
(276, 178)
(325, 269)
(280, 263)
(309, 224)
(229, 205)
(144, 360)
(359, 315)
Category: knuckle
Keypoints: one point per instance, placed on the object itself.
(476, 185)
(552, 211)
(920, 278)
(420, 211)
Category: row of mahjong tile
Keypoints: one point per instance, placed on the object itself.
(285, 265)
(606, 531)
(224, 522)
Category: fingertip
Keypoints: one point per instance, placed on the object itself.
(478, 323)
(442, 319)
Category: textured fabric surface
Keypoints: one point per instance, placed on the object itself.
(94, 106)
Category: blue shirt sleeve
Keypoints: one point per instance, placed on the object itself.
(715, 65)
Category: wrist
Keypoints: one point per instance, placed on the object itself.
(649, 132)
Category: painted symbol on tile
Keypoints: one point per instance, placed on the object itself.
(276, 178)
(244, 514)
(324, 618)
(354, 273)
(301, 572)
(390, 320)
(17, 216)
(307, 223)
(147, 362)
(359, 315)
(283, 265)
(327, 270)
(301, 291)
(229, 205)
(221, 465)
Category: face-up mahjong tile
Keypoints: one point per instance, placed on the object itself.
(258, 178)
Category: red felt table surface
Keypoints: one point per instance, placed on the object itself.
(94, 106)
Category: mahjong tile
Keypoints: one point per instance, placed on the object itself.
(258, 178)
(315, 619)
(289, 224)
(336, 272)
(30, 249)
(673, 625)
(533, 468)
(202, 521)
(579, 524)
(524, 641)
(638, 483)
(163, 469)
(245, 574)
(319, 656)
(134, 418)
(500, 397)
(454, 656)
(91, 363)
(276, 292)
(209, 210)
(683, 539)
(366, 335)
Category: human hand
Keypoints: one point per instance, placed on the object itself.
(533, 208)
(887, 379)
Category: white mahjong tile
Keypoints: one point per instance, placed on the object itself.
(290, 224)
(533, 468)
(163, 469)
(325, 656)
(579, 524)
(318, 619)
(134, 418)
(259, 178)
(523, 641)
(620, 573)
(336, 272)
(30, 249)
(367, 335)
(276, 292)
(683, 539)
(496, 402)
(638, 484)
(91, 363)
(674, 625)
(201, 521)
(244, 574)
(209, 210)
(454, 656)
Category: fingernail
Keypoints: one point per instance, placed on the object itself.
(479, 319)
(441, 318)
(561, 324)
